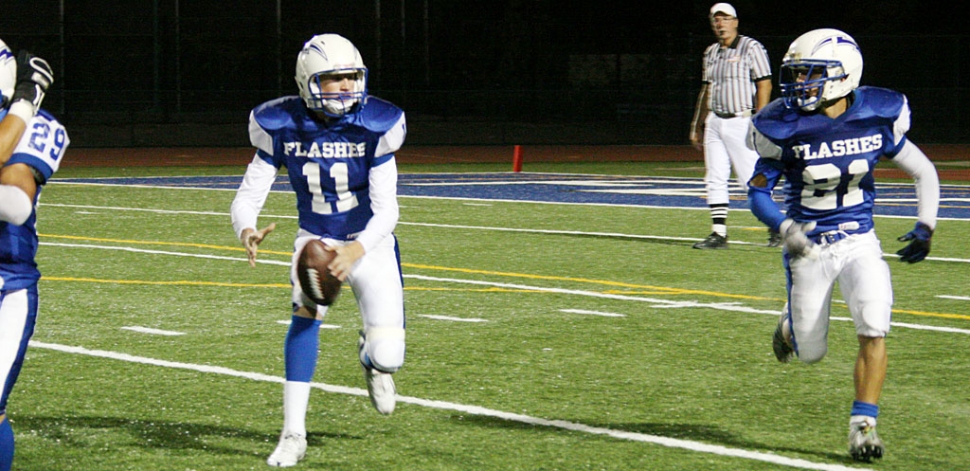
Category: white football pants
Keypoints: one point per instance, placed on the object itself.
(378, 287)
(725, 146)
(857, 265)
(18, 314)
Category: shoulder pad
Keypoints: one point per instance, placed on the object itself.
(883, 102)
(279, 113)
(774, 120)
(379, 115)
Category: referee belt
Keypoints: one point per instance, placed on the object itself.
(743, 114)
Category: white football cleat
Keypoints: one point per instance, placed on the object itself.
(864, 443)
(291, 450)
(380, 388)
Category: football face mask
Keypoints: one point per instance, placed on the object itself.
(803, 82)
(336, 93)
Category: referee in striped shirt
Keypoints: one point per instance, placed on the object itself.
(737, 83)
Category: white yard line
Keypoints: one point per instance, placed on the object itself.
(474, 410)
(148, 330)
(452, 319)
(591, 313)
(655, 302)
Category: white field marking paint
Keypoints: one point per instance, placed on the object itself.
(474, 410)
(505, 229)
(663, 303)
(951, 330)
(593, 294)
(699, 192)
(146, 330)
(554, 232)
(568, 179)
(454, 319)
(657, 303)
(162, 252)
(478, 204)
(591, 313)
(958, 298)
(322, 326)
(619, 235)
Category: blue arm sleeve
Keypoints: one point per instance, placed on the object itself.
(765, 208)
(765, 178)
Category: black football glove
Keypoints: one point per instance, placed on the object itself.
(34, 77)
(919, 243)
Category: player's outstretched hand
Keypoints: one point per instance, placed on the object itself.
(34, 77)
(919, 243)
(252, 238)
(795, 241)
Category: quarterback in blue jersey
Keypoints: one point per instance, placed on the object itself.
(825, 136)
(337, 145)
(32, 143)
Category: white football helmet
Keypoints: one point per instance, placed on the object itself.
(8, 74)
(820, 66)
(331, 54)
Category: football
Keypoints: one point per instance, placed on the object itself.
(315, 279)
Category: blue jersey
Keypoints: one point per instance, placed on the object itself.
(828, 163)
(41, 147)
(328, 162)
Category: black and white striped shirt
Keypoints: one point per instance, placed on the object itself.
(731, 74)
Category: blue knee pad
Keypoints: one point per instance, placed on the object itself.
(301, 348)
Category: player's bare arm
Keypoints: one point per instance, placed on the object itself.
(251, 239)
(11, 130)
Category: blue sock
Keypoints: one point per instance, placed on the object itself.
(300, 349)
(864, 408)
(6, 445)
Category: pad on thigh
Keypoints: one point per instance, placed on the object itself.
(810, 298)
(867, 287)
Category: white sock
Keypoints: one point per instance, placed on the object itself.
(296, 399)
(720, 229)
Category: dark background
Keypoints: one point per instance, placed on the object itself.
(187, 72)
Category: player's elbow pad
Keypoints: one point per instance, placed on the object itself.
(15, 205)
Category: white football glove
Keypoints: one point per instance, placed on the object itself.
(795, 241)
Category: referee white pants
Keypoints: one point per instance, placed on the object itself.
(724, 147)
(378, 286)
(18, 314)
(857, 265)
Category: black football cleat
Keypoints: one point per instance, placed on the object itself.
(713, 241)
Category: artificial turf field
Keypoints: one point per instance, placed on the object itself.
(542, 335)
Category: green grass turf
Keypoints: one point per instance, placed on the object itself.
(702, 372)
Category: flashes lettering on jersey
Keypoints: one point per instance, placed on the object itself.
(326, 150)
(839, 148)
